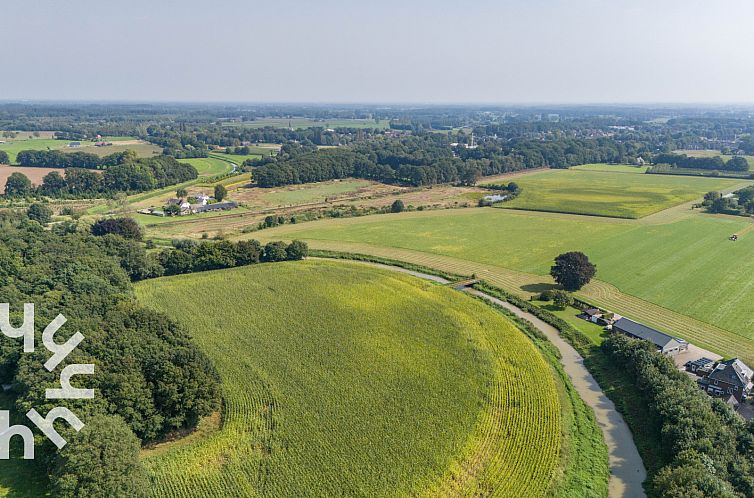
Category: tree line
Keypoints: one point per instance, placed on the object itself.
(431, 158)
(85, 160)
(707, 448)
(138, 175)
(735, 163)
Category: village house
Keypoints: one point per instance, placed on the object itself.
(664, 343)
(728, 378)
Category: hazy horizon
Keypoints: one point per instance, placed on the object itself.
(544, 52)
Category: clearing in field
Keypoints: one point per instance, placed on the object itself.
(341, 379)
(687, 267)
(611, 168)
(603, 193)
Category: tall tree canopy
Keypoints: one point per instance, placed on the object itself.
(573, 270)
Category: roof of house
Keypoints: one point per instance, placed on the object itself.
(641, 331)
(215, 206)
(593, 312)
(733, 372)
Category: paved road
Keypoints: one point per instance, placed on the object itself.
(627, 472)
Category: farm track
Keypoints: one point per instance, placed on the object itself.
(600, 293)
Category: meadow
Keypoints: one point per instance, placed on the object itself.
(142, 149)
(661, 270)
(611, 168)
(209, 166)
(341, 379)
(313, 192)
(604, 193)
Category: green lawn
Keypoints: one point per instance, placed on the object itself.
(596, 333)
(688, 266)
(314, 192)
(603, 193)
(345, 380)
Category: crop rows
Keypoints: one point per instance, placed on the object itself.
(344, 380)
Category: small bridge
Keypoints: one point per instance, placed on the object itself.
(462, 284)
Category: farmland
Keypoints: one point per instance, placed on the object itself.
(34, 174)
(603, 193)
(142, 149)
(679, 272)
(209, 166)
(611, 168)
(327, 356)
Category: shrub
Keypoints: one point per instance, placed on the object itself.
(275, 251)
(39, 212)
(397, 206)
(297, 250)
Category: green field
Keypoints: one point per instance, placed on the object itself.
(209, 166)
(684, 264)
(308, 123)
(603, 193)
(314, 192)
(612, 168)
(344, 380)
(239, 158)
(16, 146)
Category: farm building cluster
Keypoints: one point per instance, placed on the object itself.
(727, 379)
(200, 203)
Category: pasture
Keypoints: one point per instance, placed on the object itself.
(312, 192)
(296, 123)
(341, 379)
(209, 166)
(660, 270)
(142, 149)
(601, 193)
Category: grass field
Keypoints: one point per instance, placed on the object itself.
(209, 166)
(602, 193)
(657, 272)
(313, 192)
(142, 149)
(308, 123)
(346, 380)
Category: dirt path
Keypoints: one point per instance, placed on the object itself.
(627, 472)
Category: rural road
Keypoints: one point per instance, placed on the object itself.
(627, 472)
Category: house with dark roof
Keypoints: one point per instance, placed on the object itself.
(666, 344)
(729, 378)
(700, 366)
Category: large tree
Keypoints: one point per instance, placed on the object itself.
(220, 192)
(4, 159)
(18, 185)
(573, 270)
(101, 460)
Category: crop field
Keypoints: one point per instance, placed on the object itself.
(602, 193)
(314, 192)
(308, 123)
(16, 146)
(209, 166)
(341, 379)
(34, 174)
(682, 275)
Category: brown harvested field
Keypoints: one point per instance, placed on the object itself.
(34, 174)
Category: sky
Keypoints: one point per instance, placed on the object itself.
(387, 51)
